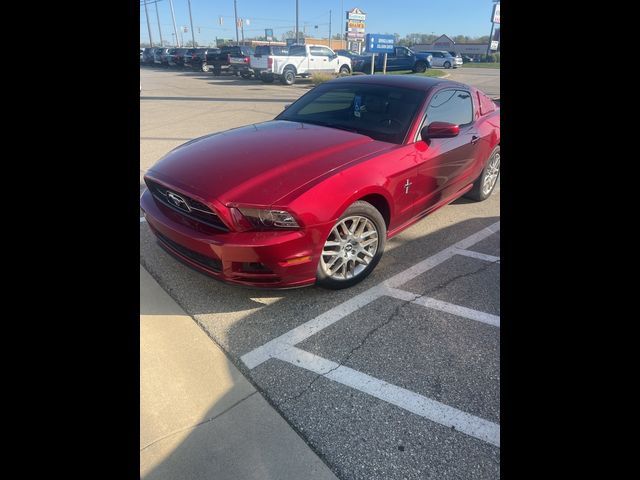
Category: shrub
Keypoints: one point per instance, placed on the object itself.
(320, 77)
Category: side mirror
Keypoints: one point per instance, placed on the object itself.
(333, 56)
(439, 130)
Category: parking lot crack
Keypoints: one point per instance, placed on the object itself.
(395, 314)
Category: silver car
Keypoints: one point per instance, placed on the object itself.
(444, 59)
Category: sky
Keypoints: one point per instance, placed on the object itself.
(450, 17)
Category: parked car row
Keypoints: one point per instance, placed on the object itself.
(266, 62)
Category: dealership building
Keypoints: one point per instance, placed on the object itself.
(445, 43)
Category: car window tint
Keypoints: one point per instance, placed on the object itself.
(452, 106)
(380, 112)
(327, 102)
(297, 51)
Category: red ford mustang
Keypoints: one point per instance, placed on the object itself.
(312, 195)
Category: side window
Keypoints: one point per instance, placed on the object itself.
(320, 51)
(297, 51)
(401, 52)
(452, 106)
(326, 51)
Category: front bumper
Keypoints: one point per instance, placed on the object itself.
(273, 259)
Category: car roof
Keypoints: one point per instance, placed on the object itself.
(403, 81)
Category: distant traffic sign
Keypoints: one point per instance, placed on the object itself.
(377, 43)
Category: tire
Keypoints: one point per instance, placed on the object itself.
(492, 168)
(344, 70)
(371, 226)
(447, 65)
(288, 76)
(267, 78)
(419, 67)
(205, 68)
(246, 76)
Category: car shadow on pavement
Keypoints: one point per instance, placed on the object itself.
(241, 319)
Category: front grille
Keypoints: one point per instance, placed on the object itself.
(202, 260)
(198, 210)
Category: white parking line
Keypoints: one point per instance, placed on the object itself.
(283, 347)
(271, 349)
(443, 306)
(401, 397)
(478, 255)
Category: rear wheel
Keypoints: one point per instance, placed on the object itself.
(288, 76)
(353, 248)
(447, 65)
(205, 67)
(486, 182)
(267, 78)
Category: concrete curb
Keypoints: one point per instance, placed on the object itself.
(199, 416)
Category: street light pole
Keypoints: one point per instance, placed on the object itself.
(146, 14)
(235, 11)
(193, 34)
(159, 29)
(296, 21)
(173, 17)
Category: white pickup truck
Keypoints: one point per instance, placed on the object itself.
(301, 61)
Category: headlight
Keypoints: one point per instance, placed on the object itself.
(264, 219)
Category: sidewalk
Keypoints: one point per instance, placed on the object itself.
(199, 417)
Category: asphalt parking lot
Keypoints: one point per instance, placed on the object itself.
(395, 378)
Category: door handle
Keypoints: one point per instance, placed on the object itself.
(474, 139)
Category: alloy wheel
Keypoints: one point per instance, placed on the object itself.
(351, 246)
(491, 175)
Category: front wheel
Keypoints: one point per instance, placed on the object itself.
(447, 65)
(353, 248)
(486, 182)
(205, 67)
(344, 70)
(420, 67)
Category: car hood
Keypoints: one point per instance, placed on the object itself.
(258, 164)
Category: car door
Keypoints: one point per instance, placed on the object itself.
(318, 60)
(404, 59)
(444, 164)
(298, 58)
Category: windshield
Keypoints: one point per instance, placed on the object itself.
(378, 111)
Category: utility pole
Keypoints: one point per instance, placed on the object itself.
(193, 34)
(159, 29)
(242, 29)
(146, 14)
(235, 11)
(296, 21)
(173, 17)
(330, 44)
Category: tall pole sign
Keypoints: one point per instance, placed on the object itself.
(495, 18)
(355, 29)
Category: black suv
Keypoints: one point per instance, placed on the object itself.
(233, 59)
(196, 58)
